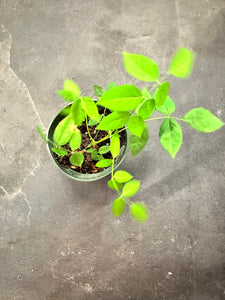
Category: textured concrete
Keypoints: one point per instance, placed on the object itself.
(58, 240)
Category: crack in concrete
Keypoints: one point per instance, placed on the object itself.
(12, 196)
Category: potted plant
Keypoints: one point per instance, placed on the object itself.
(88, 139)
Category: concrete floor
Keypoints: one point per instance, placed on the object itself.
(58, 239)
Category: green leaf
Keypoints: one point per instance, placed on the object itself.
(95, 156)
(113, 121)
(182, 63)
(114, 185)
(203, 120)
(93, 122)
(90, 108)
(118, 207)
(115, 145)
(65, 111)
(104, 149)
(104, 163)
(167, 108)
(136, 143)
(61, 152)
(75, 140)
(139, 212)
(77, 112)
(121, 98)
(64, 131)
(122, 176)
(145, 93)
(90, 150)
(99, 91)
(161, 93)
(140, 67)
(111, 85)
(146, 109)
(43, 136)
(130, 188)
(71, 86)
(136, 125)
(77, 159)
(170, 135)
(66, 95)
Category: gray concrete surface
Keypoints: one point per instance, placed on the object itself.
(58, 240)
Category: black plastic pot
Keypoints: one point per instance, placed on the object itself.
(77, 175)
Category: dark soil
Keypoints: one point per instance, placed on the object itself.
(88, 166)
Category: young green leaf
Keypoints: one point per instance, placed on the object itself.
(161, 93)
(64, 131)
(114, 185)
(90, 108)
(145, 93)
(146, 109)
(122, 176)
(130, 188)
(99, 91)
(113, 121)
(90, 150)
(43, 136)
(93, 122)
(170, 135)
(203, 120)
(75, 140)
(111, 85)
(121, 98)
(136, 144)
(139, 212)
(104, 149)
(66, 95)
(96, 156)
(182, 63)
(77, 112)
(167, 108)
(70, 85)
(118, 207)
(115, 144)
(104, 163)
(61, 152)
(140, 67)
(136, 125)
(77, 159)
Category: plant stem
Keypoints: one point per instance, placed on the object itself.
(157, 118)
(122, 129)
(89, 131)
(105, 138)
